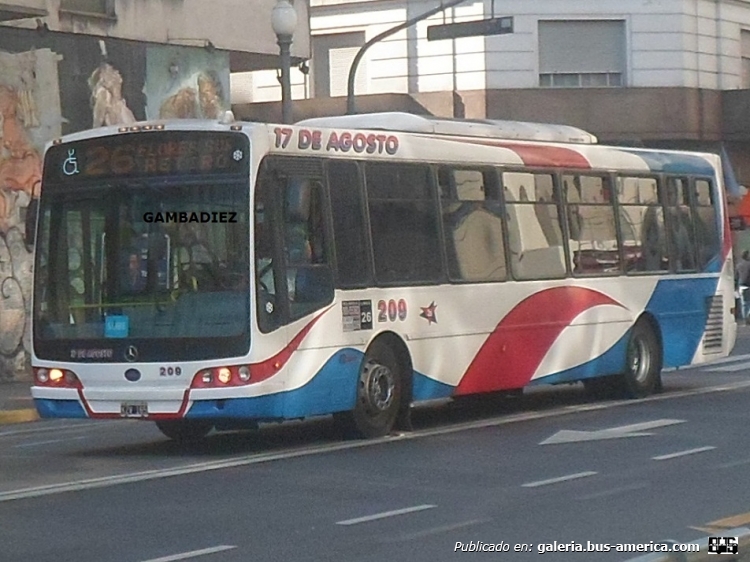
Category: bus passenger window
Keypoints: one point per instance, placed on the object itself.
(680, 223)
(642, 227)
(706, 223)
(473, 225)
(591, 225)
(534, 226)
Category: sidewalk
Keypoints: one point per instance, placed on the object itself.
(16, 404)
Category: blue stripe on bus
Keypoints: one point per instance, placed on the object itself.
(332, 389)
(681, 331)
(674, 163)
(59, 408)
(681, 310)
(425, 388)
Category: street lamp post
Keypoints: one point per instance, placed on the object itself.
(283, 22)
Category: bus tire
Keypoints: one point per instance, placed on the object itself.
(185, 431)
(642, 375)
(379, 389)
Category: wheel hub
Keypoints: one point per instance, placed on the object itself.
(378, 385)
(639, 361)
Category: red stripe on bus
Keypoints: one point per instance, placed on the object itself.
(266, 369)
(512, 353)
(542, 156)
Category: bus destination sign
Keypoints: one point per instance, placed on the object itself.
(148, 154)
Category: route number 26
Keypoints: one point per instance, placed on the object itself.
(391, 310)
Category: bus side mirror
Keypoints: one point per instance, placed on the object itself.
(32, 213)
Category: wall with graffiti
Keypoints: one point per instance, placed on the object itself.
(53, 84)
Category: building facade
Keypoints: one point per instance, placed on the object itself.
(69, 65)
(650, 72)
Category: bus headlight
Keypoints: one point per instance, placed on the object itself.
(55, 375)
(244, 373)
(42, 375)
(207, 377)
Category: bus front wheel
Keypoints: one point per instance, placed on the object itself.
(379, 389)
(184, 431)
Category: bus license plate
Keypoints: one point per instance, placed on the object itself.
(134, 410)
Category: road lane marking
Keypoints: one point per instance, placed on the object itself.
(731, 522)
(18, 416)
(632, 430)
(436, 530)
(565, 478)
(49, 441)
(614, 492)
(192, 554)
(246, 460)
(682, 453)
(385, 514)
(733, 464)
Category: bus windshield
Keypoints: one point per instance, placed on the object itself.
(154, 263)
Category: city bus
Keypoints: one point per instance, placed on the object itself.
(218, 274)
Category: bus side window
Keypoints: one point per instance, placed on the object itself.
(309, 277)
(706, 222)
(472, 225)
(353, 265)
(680, 224)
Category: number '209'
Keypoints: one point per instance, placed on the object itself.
(170, 371)
(391, 310)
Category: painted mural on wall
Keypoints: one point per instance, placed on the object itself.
(53, 84)
(184, 83)
(29, 112)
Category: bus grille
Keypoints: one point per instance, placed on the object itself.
(714, 336)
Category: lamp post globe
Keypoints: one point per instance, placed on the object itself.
(283, 22)
(283, 18)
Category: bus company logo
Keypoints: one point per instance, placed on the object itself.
(723, 545)
(131, 353)
(429, 314)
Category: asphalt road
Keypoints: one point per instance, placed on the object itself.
(671, 467)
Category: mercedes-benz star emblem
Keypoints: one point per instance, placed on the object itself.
(131, 353)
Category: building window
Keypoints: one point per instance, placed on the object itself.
(99, 7)
(580, 80)
(745, 52)
(332, 58)
(582, 54)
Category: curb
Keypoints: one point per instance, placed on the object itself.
(18, 416)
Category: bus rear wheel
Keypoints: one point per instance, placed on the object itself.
(184, 431)
(379, 390)
(642, 374)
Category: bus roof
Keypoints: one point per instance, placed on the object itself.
(487, 128)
